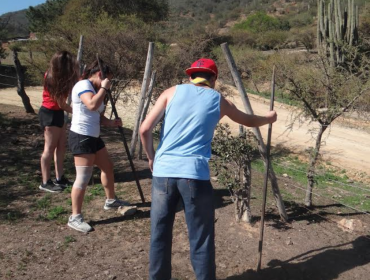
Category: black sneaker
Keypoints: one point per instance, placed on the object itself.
(63, 182)
(50, 187)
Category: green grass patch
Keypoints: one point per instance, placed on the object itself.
(96, 190)
(44, 203)
(330, 183)
(68, 189)
(55, 212)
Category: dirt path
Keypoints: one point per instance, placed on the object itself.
(345, 147)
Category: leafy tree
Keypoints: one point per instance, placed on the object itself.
(41, 17)
(146, 10)
(3, 34)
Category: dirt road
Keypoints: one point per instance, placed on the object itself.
(344, 147)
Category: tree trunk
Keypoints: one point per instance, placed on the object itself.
(20, 84)
(247, 179)
(311, 169)
(256, 131)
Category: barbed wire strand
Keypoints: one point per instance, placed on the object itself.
(8, 76)
(337, 201)
(8, 85)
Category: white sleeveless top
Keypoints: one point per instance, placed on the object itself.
(85, 121)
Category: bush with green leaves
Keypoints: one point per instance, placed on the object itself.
(261, 22)
(232, 164)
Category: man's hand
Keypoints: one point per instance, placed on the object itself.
(271, 116)
(151, 165)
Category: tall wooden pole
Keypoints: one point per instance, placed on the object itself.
(79, 59)
(256, 130)
(262, 224)
(144, 86)
(145, 110)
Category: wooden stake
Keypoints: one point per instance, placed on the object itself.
(120, 129)
(144, 86)
(262, 224)
(256, 130)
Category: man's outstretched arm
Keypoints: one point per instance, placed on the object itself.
(230, 110)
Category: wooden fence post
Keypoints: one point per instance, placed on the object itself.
(144, 86)
(256, 130)
(145, 110)
(79, 59)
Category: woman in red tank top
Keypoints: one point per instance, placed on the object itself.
(59, 80)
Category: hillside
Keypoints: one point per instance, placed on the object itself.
(201, 12)
(17, 24)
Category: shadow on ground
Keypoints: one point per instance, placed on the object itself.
(326, 263)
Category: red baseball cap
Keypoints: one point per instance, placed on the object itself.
(203, 65)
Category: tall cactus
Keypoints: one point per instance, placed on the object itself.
(336, 28)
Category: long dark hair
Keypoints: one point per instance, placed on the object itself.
(94, 68)
(62, 75)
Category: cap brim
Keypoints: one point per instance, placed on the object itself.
(190, 71)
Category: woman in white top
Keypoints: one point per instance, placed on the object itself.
(85, 143)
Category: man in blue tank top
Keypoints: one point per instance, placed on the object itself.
(180, 166)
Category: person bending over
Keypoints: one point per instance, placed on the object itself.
(180, 166)
(85, 143)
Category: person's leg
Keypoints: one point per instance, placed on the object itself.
(52, 134)
(199, 212)
(60, 153)
(165, 196)
(85, 163)
(105, 164)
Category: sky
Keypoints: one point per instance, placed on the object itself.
(16, 5)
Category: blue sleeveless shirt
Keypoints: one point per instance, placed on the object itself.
(189, 123)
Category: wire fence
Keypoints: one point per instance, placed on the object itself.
(11, 77)
(322, 198)
(364, 187)
(4, 84)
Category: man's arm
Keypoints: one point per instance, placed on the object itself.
(151, 121)
(230, 110)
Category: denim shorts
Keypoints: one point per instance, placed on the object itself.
(82, 144)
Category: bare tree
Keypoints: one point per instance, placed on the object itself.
(325, 93)
(20, 83)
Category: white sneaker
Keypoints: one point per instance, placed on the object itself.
(78, 223)
(114, 204)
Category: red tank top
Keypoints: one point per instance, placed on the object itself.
(47, 101)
